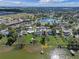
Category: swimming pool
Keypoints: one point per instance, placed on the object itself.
(48, 21)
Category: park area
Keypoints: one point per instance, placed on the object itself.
(32, 51)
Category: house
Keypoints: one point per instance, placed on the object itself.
(57, 31)
(30, 30)
(4, 32)
(67, 32)
(77, 27)
(41, 29)
(23, 32)
(77, 36)
(2, 21)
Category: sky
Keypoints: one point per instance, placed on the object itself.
(40, 3)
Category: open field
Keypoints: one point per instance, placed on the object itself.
(31, 52)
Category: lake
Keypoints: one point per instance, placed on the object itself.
(60, 53)
(6, 13)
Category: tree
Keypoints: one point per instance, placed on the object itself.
(38, 24)
(2, 26)
(1, 36)
(73, 45)
(12, 36)
(20, 42)
(43, 41)
(10, 41)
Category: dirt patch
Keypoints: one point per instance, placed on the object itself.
(32, 49)
(4, 49)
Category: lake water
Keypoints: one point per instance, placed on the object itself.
(60, 53)
(6, 13)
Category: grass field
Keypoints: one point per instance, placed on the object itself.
(31, 52)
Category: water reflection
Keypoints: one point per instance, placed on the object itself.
(60, 53)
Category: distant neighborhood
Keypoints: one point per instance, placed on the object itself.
(41, 32)
(42, 24)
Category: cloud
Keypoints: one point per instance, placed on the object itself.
(58, 3)
(9, 2)
(49, 1)
(16, 2)
(41, 3)
(44, 1)
(58, 0)
(70, 4)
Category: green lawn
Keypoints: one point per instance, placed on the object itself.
(24, 54)
(21, 54)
